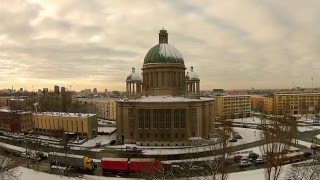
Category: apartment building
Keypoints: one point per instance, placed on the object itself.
(15, 121)
(52, 123)
(232, 106)
(262, 104)
(104, 107)
(296, 102)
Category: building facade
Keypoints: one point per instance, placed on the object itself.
(164, 108)
(15, 121)
(232, 106)
(53, 123)
(105, 108)
(262, 104)
(296, 102)
(4, 101)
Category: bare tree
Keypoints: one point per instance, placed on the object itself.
(304, 171)
(6, 169)
(277, 135)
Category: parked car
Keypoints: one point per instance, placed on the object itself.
(258, 161)
(237, 136)
(98, 144)
(45, 144)
(233, 140)
(245, 126)
(42, 155)
(244, 163)
(253, 155)
(112, 142)
(196, 168)
(237, 158)
(28, 155)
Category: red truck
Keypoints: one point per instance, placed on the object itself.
(143, 164)
(126, 165)
(115, 165)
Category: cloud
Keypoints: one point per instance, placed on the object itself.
(232, 44)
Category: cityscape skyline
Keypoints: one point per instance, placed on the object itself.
(232, 45)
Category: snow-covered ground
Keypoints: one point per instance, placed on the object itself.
(30, 174)
(108, 130)
(257, 149)
(307, 128)
(103, 139)
(303, 143)
(12, 147)
(251, 120)
(248, 135)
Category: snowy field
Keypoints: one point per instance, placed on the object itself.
(250, 120)
(30, 174)
(307, 128)
(257, 149)
(248, 135)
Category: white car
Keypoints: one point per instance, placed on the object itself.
(244, 163)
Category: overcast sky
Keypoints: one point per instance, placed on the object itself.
(234, 44)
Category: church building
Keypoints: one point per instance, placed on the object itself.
(164, 107)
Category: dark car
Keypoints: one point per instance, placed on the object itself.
(237, 136)
(112, 142)
(233, 140)
(253, 155)
(258, 161)
(245, 126)
(41, 155)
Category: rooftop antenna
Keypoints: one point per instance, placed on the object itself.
(70, 87)
(312, 82)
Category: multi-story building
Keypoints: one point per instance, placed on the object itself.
(104, 107)
(268, 105)
(4, 101)
(262, 104)
(164, 108)
(15, 121)
(257, 103)
(232, 106)
(296, 102)
(53, 123)
(56, 89)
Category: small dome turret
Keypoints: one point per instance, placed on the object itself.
(192, 75)
(134, 76)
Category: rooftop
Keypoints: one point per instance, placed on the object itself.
(14, 111)
(165, 99)
(63, 114)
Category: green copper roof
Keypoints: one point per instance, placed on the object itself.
(163, 53)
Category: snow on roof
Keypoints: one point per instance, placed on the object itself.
(142, 160)
(237, 95)
(114, 159)
(14, 111)
(27, 174)
(66, 155)
(63, 114)
(166, 99)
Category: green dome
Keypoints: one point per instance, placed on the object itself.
(163, 53)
